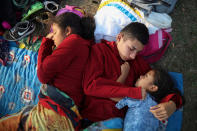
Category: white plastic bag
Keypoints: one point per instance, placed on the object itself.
(160, 20)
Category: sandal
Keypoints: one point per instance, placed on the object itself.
(51, 6)
(44, 17)
(19, 31)
(34, 8)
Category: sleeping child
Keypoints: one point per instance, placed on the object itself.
(157, 84)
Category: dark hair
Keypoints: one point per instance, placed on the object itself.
(136, 30)
(165, 85)
(84, 26)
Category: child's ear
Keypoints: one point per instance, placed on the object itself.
(118, 37)
(154, 88)
(68, 30)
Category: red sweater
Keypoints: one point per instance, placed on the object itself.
(64, 66)
(100, 84)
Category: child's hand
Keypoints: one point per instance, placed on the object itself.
(124, 72)
(163, 111)
(125, 69)
(50, 35)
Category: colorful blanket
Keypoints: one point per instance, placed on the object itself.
(54, 111)
(19, 84)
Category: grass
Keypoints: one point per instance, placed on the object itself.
(181, 57)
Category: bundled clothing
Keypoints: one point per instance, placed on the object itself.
(99, 83)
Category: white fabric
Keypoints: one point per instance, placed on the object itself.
(160, 20)
(110, 20)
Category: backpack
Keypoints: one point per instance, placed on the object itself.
(156, 46)
(161, 6)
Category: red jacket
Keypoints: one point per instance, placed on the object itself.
(64, 66)
(100, 84)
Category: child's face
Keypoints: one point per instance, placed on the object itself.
(58, 35)
(128, 48)
(146, 81)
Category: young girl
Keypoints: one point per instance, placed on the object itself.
(157, 84)
(62, 67)
(61, 60)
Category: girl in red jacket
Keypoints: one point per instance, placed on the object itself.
(61, 60)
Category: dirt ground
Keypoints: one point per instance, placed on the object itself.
(181, 54)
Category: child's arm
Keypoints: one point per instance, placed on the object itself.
(167, 106)
(124, 72)
(163, 111)
(50, 36)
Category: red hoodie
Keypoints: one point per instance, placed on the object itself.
(100, 84)
(64, 66)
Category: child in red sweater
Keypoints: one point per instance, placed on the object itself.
(61, 60)
(63, 65)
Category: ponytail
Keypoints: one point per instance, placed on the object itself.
(88, 27)
(165, 85)
(84, 26)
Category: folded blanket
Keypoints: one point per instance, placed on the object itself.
(60, 113)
